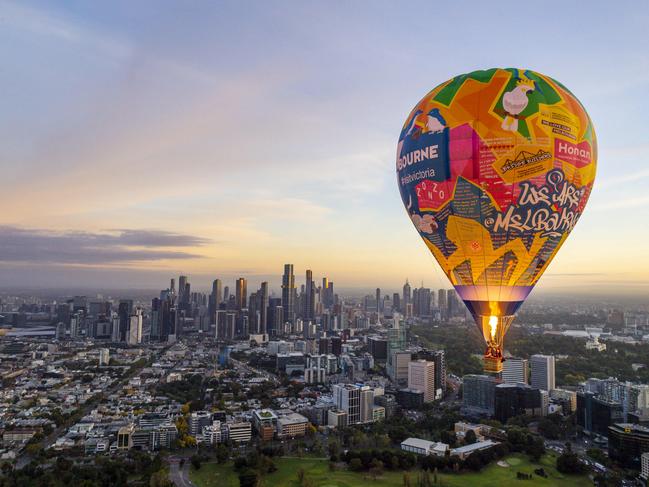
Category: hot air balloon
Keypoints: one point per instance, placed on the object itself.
(495, 168)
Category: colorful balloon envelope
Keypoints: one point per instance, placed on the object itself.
(495, 168)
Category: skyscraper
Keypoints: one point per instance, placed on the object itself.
(406, 295)
(241, 293)
(514, 371)
(309, 296)
(441, 303)
(347, 397)
(182, 282)
(542, 372)
(378, 300)
(216, 296)
(288, 293)
(262, 296)
(217, 291)
(478, 392)
(421, 376)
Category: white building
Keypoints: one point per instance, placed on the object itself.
(514, 371)
(347, 398)
(424, 447)
(134, 336)
(421, 376)
(104, 356)
(240, 432)
(314, 375)
(542, 372)
(644, 466)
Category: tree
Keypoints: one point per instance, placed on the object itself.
(469, 437)
(376, 468)
(568, 462)
(248, 478)
(356, 464)
(196, 461)
(222, 453)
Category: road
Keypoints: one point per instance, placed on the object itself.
(179, 475)
(251, 370)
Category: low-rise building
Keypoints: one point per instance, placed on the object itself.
(424, 447)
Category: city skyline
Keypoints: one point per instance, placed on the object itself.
(178, 151)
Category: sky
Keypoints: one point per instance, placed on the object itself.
(141, 140)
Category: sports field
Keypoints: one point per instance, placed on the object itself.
(317, 471)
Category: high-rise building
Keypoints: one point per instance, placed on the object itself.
(135, 328)
(629, 444)
(397, 337)
(406, 295)
(396, 302)
(515, 371)
(378, 300)
(182, 284)
(241, 296)
(515, 400)
(124, 310)
(216, 296)
(542, 372)
(478, 393)
(263, 298)
(366, 404)
(421, 377)
(347, 398)
(440, 373)
(442, 303)
(309, 296)
(288, 293)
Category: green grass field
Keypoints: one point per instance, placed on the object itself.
(213, 475)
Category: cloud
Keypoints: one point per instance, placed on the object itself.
(84, 248)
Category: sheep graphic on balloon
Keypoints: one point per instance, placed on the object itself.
(472, 159)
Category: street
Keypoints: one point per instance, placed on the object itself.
(177, 474)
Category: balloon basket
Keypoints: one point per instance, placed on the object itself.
(493, 365)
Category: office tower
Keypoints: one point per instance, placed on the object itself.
(216, 296)
(156, 319)
(441, 303)
(629, 445)
(135, 328)
(221, 324)
(172, 286)
(263, 304)
(187, 293)
(515, 371)
(596, 414)
(182, 284)
(478, 394)
(440, 373)
(124, 310)
(347, 398)
(421, 377)
(241, 293)
(516, 400)
(325, 298)
(75, 326)
(366, 404)
(309, 296)
(542, 372)
(397, 337)
(406, 294)
(378, 300)
(288, 293)
(396, 303)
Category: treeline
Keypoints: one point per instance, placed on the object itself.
(105, 472)
(187, 390)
